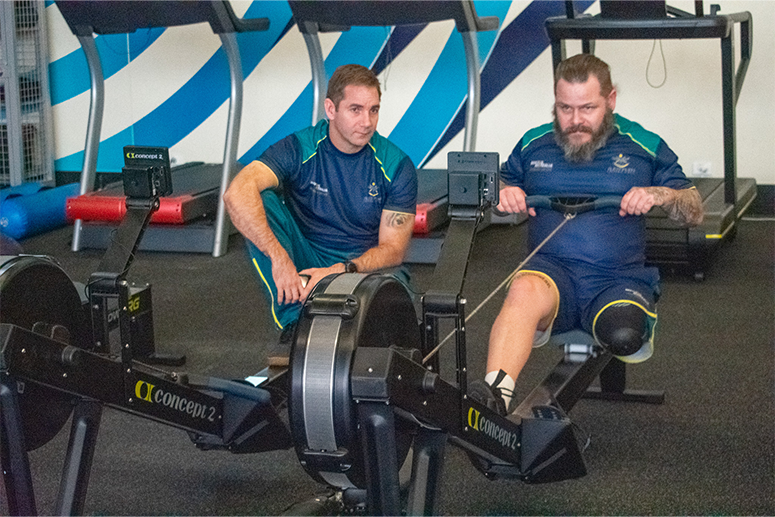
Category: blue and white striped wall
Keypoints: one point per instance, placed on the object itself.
(170, 87)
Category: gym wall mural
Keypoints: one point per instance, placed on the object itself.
(170, 87)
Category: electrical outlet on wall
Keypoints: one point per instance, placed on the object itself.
(702, 169)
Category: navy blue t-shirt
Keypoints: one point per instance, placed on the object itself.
(337, 198)
(632, 157)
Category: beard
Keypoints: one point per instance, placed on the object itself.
(577, 153)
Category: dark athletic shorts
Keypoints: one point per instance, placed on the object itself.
(586, 291)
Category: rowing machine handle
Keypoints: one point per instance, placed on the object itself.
(574, 204)
(569, 204)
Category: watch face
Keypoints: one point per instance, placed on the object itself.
(350, 267)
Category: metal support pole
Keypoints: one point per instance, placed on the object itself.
(558, 53)
(472, 106)
(222, 223)
(317, 64)
(729, 118)
(94, 127)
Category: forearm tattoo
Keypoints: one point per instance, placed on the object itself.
(395, 219)
(683, 206)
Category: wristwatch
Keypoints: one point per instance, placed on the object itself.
(350, 267)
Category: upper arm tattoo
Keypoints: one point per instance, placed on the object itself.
(397, 219)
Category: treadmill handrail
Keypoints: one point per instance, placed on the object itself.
(684, 27)
(340, 15)
(570, 10)
(86, 17)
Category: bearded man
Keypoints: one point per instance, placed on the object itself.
(591, 275)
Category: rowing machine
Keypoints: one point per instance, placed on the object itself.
(361, 391)
(59, 352)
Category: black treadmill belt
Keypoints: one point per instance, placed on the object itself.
(431, 185)
(188, 179)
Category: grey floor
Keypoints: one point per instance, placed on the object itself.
(708, 450)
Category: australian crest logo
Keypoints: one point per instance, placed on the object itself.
(621, 163)
(373, 190)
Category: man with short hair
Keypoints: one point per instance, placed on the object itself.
(591, 274)
(333, 198)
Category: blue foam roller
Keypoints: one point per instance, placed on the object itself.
(26, 215)
(25, 189)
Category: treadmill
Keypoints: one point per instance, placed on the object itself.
(195, 213)
(338, 15)
(725, 200)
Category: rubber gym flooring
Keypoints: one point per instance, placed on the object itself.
(707, 450)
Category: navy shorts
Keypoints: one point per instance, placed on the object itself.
(585, 291)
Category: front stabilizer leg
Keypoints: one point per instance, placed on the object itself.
(550, 449)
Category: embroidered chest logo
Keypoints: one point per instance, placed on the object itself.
(541, 165)
(621, 163)
(373, 190)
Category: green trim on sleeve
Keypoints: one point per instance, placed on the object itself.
(309, 138)
(536, 133)
(646, 139)
(387, 154)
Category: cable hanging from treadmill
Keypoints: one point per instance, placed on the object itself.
(664, 65)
